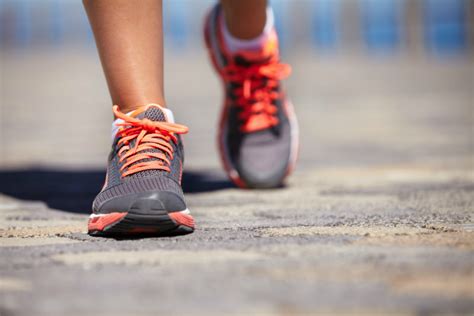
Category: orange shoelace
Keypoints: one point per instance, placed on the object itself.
(148, 135)
(255, 92)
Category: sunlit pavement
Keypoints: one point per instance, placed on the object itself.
(377, 218)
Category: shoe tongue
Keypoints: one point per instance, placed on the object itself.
(269, 51)
(247, 59)
(153, 113)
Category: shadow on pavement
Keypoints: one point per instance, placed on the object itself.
(74, 191)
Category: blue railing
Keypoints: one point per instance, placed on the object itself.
(445, 25)
(325, 24)
(381, 26)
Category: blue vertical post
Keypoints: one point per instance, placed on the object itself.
(176, 17)
(445, 26)
(325, 24)
(22, 20)
(280, 11)
(2, 23)
(57, 21)
(381, 24)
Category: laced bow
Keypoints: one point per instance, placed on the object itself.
(256, 92)
(148, 135)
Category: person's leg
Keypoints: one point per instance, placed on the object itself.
(129, 38)
(240, 22)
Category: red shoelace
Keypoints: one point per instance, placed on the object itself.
(256, 93)
(148, 135)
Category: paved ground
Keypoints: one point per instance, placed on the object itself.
(376, 219)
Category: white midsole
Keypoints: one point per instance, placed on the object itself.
(186, 212)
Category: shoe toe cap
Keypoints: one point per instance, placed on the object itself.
(144, 202)
(144, 195)
(263, 166)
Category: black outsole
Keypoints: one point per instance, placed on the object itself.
(136, 225)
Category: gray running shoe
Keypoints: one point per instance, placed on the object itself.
(258, 133)
(142, 192)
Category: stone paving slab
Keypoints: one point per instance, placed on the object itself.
(377, 219)
(341, 244)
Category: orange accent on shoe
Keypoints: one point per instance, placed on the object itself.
(256, 92)
(268, 50)
(147, 135)
(101, 222)
(182, 219)
(256, 83)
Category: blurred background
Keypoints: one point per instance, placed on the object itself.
(375, 82)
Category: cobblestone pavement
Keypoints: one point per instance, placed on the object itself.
(376, 219)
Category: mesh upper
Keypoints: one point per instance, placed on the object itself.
(128, 187)
(147, 180)
(153, 114)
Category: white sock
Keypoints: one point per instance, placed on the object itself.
(235, 44)
(168, 113)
